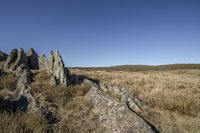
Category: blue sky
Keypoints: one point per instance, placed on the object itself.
(104, 32)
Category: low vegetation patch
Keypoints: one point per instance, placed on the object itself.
(7, 81)
(21, 122)
(75, 113)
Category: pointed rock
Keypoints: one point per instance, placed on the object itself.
(11, 58)
(54, 65)
(51, 62)
(15, 59)
(3, 56)
(43, 62)
(59, 69)
(32, 59)
(21, 59)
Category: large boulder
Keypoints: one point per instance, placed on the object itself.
(33, 59)
(3, 56)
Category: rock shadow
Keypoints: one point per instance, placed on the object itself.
(12, 106)
(79, 79)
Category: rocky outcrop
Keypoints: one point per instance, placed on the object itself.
(15, 59)
(3, 56)
(33, 59)
(59, 69)
(43, 62)
(115, 116)
(20, 97)
(24, 79)
(54, 65)
(118, 116)
(127, 98)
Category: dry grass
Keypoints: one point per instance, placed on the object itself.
(171, 91)
(115, 95)
(7, 81)
(21, 122)
(73, 111)
(2, 63)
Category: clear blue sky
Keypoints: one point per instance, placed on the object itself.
(104, 32)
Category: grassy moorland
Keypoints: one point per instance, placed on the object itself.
(142, 67)
(172, 95)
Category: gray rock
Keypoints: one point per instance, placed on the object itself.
(54, 65)
(53, 80)
(11, 59)
(51, 61)
(21, 59)
(32, 59)
(114, 116)
(15, 59)
(133, 102)
(3, 56)
(43, 62)
(59, 69)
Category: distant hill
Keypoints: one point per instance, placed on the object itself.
(142, 67)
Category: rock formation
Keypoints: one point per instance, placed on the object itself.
(119, 116)
(15, 59)
(3, 56)
(32, 59)
(115, 116)
(43, 62)
(54, 65)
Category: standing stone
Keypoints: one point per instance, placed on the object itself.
(21, 59)
(11, 58)
(59, 69)
(54, 66)
(15, 59)
(32, 59)
(51, 62)
(3, 56)
(43, 62)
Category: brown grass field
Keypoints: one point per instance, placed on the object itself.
(172, 96)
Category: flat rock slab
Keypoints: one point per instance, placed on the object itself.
(115, 116)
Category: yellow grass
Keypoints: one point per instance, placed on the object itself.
(172, 91)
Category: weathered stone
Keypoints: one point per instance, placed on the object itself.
(115, 116)
(133, 102)
(33, 59)
(21, 59)
(53, 80)
(3, 56)
(59, 69)
(54, 65)
(15, 59)
(51, 61)
(43, 62)
(11, 59)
